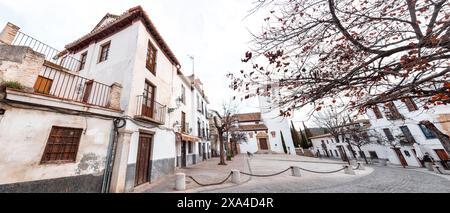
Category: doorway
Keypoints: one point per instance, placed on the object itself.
(443, 156)
(204, 152)
(401, 157)
(263, 144)
(183, 154)
(143, 162)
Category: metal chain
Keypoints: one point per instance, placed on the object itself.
(271, 175)
(439, 170)
(359, 165)
(211, 184)
(307, 170)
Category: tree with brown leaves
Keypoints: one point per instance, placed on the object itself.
(366, 52)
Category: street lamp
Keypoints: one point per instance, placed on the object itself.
(178, 105)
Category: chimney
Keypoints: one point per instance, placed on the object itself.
(8, 33)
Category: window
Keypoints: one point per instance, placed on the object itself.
(148, 105)
(410, 104)
(104, 52)
(183, 94)
(83, 60)
(62, 145)
(183, 122)
(392, 113)
(43, 85)
(198, 104)
(151, 58)
(428, 134)
(407, 153)
(190, 151)
(388, 134)
(203, 108)
(203, 129)
(250, 135)
(335, 151)
(377, 112)
(407, 133)
(373, 155)
(199, 128)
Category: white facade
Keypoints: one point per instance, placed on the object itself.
(269, 126)
(438, 115)
(156, 122)
(411, 152)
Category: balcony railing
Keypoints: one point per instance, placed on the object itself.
(67, 86)
(51, 54)
(184, 128)
(150, 110)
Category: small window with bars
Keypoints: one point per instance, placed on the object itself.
(62, 145)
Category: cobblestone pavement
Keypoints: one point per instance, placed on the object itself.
(381, 180)
(372, 180)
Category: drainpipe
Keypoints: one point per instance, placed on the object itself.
(117, 124)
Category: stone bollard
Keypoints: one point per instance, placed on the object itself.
(361, 166)
(236, 176)
(349, 170)
(180, 182)
(354, 162)
(296, 171)
(429, 166)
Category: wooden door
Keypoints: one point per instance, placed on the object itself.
(443, 156)
(87, 91)
(401, 157)
(204, 152)
(183, 154)
(143, 169)
(263, 144)
(148, 103)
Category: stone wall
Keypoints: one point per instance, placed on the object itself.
(20, 64)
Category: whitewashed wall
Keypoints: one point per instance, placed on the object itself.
(23, 137)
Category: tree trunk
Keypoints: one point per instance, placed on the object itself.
(443, 138)
(363, 155)
(222, 151)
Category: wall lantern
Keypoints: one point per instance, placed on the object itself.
(178, 105)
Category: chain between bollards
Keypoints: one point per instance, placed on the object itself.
(211, 184)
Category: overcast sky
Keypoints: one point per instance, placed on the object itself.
(216, 32)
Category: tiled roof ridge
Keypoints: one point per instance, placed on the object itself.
(138, 10)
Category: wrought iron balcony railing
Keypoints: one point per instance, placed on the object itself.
(51, 54)
(67, 86)
(150, 110)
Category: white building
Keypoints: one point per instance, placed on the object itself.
(142, 86)
(397, 122)
(266, 129)
(400, 119)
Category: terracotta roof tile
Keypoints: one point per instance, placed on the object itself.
(249, 117)
(121, 22)
(253, 127)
